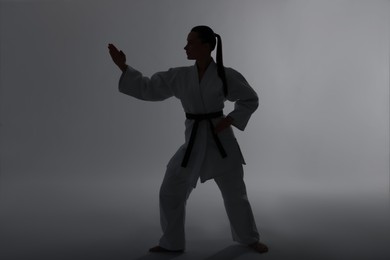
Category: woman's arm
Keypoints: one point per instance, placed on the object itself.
(156, 88)
(133, 83)
(245, 98)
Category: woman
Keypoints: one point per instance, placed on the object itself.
(210, 150)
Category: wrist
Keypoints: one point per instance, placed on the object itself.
(123, 67)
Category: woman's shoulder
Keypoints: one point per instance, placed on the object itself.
(181, 69)
(233, 74)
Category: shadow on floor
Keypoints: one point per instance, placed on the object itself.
(160, 256)
(229, 253)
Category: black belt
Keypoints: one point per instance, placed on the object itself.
(198, 118)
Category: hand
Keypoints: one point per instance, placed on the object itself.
(223, 124)
(117, 56)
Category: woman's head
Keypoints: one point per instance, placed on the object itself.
(201, 42)
(206, 35)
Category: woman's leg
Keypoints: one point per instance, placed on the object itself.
(174, 192)
(238, 208)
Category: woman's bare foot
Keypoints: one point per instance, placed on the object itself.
(259, 247)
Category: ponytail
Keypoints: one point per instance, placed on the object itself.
(207, 35)
(220, 67)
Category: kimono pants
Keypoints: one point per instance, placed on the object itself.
(174, 192)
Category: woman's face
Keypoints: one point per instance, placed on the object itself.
(195, 49)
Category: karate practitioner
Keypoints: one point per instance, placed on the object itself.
(210, 150)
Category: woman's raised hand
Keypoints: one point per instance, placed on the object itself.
(117, 56)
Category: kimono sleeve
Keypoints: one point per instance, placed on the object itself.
(245, 98)
(156, 88)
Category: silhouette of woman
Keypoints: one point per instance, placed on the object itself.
(210, 150)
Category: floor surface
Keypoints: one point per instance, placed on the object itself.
(118, 220)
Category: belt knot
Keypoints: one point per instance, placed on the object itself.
(197, 118)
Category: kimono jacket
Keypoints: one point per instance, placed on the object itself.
(206, 96)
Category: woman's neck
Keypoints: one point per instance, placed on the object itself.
(202, 64)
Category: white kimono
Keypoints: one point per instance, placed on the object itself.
(202, 97)
(205, 161)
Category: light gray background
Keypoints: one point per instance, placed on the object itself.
(81, 164)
